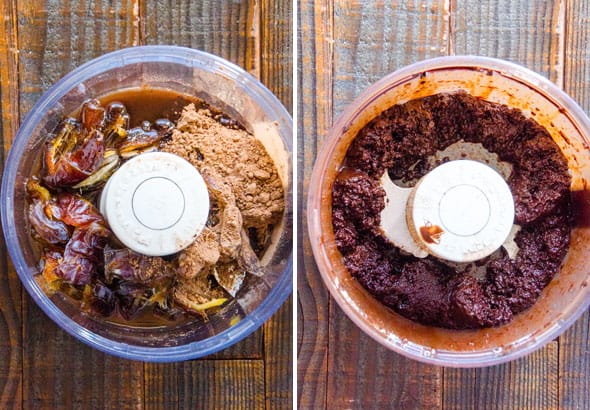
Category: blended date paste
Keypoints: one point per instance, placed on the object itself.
(406, 141)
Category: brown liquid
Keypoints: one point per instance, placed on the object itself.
(149, 104)
(431, 233)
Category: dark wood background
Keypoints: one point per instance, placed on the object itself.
(41, 366)
(346, 46)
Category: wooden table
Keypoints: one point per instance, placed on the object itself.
(41, 366)
(345, 47)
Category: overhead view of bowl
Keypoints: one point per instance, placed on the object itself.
(473, 205)
(150, 77)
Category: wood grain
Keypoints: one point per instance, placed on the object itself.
(8, 74)
(230, 384)
(526, 32)
(315, 60)
(221, 27)
(574, 365)
(460, 388)
(161, 386)
(249, 348)
(10, 288)
(278, 358)
(374, 39)
(577, 50)
(255, 35)
(276, 53)
(57, 36)
(527, 383)
(60, 372)
(207, 384)
(362, 374)
(10, 334)
(574, 345)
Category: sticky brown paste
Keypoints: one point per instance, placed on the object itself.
(488, 292)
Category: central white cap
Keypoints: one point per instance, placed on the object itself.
(461, 211)
(156, 204)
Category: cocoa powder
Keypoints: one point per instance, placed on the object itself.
(246, 198)
(238, 158)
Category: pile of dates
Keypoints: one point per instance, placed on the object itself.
(77, 259)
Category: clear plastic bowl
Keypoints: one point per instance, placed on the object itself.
(226, 87)
(568, 294)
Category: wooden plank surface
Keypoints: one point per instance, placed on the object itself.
(10, 290)
(161, 384)
(314, 118)
(206, 384)
(231, 384)
(574, 344)
(529, 33)
(372, 39)
(362, 374)
(278, 358)
(8, 74)
(577, 50)
(57, 36)
(366, 41)
(61, 373)
(574, 365)
(276, 50)
(43, 367)
(223, 27)
(527, 383)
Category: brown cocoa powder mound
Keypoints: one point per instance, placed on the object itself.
(201, 254)
(235, 155)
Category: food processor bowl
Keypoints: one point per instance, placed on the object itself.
(565, 298)
(227, 88)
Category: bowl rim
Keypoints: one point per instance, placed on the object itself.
(449, 358)
(119, 58)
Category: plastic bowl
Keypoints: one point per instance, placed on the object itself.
(568, 294)
(226, 87)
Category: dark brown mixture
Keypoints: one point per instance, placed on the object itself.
(429, 290)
